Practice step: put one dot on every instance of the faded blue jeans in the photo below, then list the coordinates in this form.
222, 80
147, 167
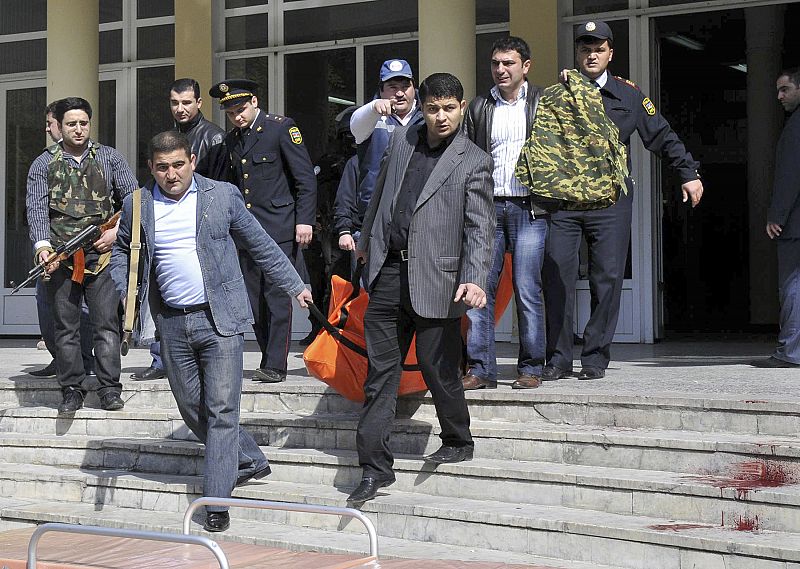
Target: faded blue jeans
788, 348
205, 375
524, 237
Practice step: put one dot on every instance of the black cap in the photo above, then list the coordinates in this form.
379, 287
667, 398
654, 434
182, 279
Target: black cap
232, 91
597, 30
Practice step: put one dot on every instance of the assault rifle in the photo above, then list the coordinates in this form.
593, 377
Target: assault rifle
86, 237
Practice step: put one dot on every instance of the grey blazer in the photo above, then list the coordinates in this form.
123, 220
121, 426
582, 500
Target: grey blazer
452, 229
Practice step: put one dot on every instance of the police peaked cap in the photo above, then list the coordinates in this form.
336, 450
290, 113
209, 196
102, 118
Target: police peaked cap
233, 91
596, 29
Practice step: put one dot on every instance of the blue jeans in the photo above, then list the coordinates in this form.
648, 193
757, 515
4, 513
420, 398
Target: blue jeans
788, 348
205, 375
48, 330
155, 353
524, 237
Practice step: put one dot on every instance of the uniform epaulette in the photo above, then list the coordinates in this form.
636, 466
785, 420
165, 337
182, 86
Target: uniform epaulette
627, 82
276, 118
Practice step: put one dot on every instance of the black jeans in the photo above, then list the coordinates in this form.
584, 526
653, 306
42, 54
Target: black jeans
389, 326
102, 298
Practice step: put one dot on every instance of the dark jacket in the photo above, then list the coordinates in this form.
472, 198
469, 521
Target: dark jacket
203, 134
784, 208
477, 126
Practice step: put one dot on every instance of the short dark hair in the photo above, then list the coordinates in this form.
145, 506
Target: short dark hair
441, 86
512, 43
793, 73
168, 141
63, 106
186, 84
51, 108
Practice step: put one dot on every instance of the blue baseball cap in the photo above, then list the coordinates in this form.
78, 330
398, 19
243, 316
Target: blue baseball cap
395, 68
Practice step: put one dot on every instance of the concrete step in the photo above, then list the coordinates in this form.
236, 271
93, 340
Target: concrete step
690, 452
270, 534
547, 405
757, 490
518, 528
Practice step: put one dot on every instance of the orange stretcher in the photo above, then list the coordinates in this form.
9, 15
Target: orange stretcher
338, 354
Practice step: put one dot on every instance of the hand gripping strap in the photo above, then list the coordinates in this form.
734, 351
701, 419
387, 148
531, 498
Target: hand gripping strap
133, 272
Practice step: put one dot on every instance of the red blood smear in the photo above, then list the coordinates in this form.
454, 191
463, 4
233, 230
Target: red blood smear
677, 527
752, 475
745, 523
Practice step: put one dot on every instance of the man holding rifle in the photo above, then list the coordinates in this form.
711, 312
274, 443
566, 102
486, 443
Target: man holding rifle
72, 185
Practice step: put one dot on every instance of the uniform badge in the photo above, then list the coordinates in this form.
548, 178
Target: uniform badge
223, 88
259, 129
297, 138
591, 26
649, 107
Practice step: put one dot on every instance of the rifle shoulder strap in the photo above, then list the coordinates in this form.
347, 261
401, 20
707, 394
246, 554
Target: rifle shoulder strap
133, 267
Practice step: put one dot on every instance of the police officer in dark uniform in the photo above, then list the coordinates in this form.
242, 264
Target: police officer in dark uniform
607, 230
265, 157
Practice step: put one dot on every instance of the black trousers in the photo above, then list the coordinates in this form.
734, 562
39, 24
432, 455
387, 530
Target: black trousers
389, 326
607, 233
272, 310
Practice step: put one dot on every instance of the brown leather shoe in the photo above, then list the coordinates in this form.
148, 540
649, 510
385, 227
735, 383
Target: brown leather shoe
470, 382
525, 381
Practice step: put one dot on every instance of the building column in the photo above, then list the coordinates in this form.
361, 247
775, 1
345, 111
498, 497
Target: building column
764, 118
73, 53
194, 51
536, 21
447, 40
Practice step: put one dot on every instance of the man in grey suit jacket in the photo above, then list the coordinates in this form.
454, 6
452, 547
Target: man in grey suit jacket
426, 238
783, 225
192, 284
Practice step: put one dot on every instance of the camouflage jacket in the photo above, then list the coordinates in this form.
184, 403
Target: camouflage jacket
574, 153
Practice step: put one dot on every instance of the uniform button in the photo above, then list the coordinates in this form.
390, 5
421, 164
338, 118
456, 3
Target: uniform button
244, 160
246, 176
249, 206
246, 191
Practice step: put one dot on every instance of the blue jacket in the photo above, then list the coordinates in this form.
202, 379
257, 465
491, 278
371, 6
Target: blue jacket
221, 218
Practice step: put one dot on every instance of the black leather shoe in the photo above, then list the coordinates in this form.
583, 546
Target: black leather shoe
591, 373
257, 474
111, 402
448, 454
552, 373
73, 400
770, 362
368, 489
217, 521
47, 371
269, 375
148, 374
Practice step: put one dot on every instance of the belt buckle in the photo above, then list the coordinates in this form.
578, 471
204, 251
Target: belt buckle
404, 255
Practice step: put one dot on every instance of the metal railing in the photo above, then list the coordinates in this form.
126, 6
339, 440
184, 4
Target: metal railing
209, 544
287, 507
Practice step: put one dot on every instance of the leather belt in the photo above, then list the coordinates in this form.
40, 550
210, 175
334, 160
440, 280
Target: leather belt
187, 309
401, 255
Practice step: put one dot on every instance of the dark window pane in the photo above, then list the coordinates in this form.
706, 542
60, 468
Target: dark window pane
350, 20
19, 56
25, 140
108, 113
253, 68
155, 41
152, 110
154, 8
592, 6
375, 55
246, 32
243, 3
110, 11
483, 57
111, 46
19, 16
491, 11
319, 85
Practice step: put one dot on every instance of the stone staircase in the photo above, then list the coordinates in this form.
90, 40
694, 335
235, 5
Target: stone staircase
560, 479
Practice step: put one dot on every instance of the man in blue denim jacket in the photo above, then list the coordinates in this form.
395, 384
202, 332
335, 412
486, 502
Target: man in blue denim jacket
191, 282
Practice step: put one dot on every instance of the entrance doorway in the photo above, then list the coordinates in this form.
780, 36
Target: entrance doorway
702, 82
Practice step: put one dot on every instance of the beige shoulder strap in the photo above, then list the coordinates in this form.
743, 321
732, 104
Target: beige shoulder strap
133, 272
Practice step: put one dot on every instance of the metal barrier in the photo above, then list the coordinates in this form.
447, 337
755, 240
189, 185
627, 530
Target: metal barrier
129, 533
284, 506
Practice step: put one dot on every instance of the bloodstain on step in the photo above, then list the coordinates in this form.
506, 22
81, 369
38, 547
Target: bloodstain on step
752, 475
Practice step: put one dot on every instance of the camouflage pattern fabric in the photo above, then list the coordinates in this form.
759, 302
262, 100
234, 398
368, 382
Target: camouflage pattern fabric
574, 154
